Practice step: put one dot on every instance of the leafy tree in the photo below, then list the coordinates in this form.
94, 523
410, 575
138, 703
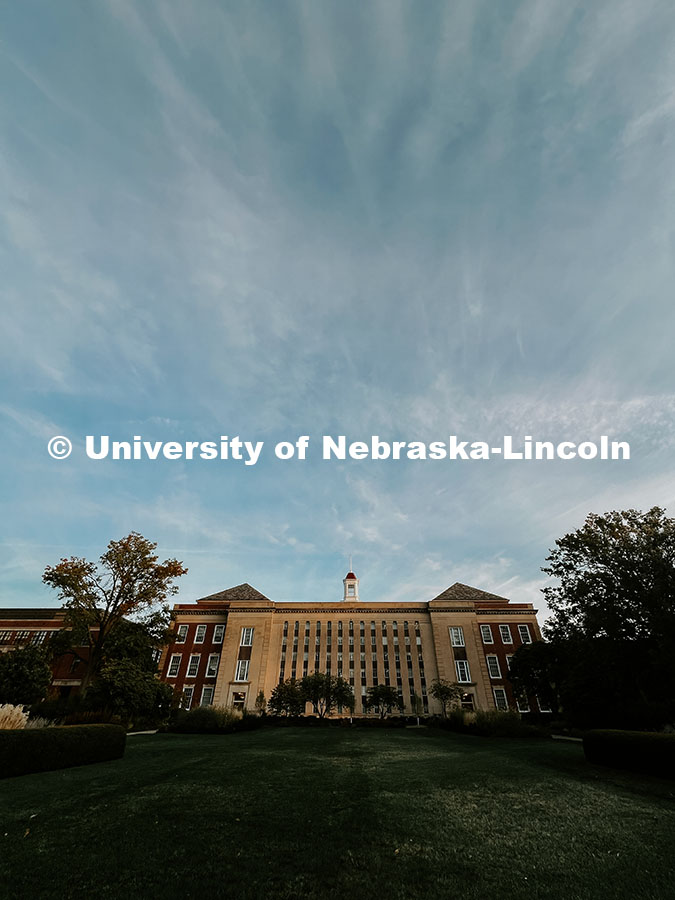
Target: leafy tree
261, 703
130, 691
286, 699
25, 676
383, 697
537, 668
129, 582
416, 704
613, 617
446, 692
325, 692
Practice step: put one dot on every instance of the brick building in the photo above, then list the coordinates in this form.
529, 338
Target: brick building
234, 644
24, 627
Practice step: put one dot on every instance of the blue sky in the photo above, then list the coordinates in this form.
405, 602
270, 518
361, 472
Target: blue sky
274, 219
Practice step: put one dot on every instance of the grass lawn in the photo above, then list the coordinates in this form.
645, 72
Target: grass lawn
338, 813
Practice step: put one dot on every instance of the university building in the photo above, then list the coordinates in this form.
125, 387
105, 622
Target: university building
232, 645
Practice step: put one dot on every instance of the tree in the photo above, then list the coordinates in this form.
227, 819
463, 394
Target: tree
446, 692
325, 692
537, 669
286, 700
24, 676
383, 697
613, 617
129, 582
131, 692
416, 705
261, 703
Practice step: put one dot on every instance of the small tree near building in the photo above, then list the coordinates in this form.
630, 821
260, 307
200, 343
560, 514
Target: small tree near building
384, 698
261, 703
286, 700
448, 693
24, 676
325, 692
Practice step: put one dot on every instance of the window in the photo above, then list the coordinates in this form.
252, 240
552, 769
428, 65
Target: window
207, 696
350, 590
218, 633
188, 693
493, 666
523, 704
5, 636
200, 634
212, 665
242, 670
501, 701
181, 634
509, 657
524, 632
174, 665
543, 706
505, 634
21, 636
193, 665
39, 637
247, 636
462, 668
486, 634
457, 636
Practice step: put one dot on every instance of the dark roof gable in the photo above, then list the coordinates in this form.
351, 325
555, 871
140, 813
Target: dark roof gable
239, 592
459, 591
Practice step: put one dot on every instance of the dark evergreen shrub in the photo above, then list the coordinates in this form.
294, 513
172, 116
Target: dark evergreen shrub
23, 751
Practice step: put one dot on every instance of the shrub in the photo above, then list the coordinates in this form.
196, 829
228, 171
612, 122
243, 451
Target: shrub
40, 722
12, 716
639, 751
214, 720
23, 751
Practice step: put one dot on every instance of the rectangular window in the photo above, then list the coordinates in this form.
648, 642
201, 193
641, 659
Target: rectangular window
493, 666
174, 665
218, 633
207, 696
462, 668
200, 634
457, 636
193, 665
5, 636
505, 634
523, 704
181, 634
486, 634
242, 670
21, 636
212, 665
246, 637
524, 632
509, 657
39, 637
543, 707
188, 693
501, 701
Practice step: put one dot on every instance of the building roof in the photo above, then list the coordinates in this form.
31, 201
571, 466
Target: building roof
50, 612
351, 575
459, 591
239, 592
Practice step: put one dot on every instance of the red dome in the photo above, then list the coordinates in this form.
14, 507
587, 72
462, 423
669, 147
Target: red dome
350, 575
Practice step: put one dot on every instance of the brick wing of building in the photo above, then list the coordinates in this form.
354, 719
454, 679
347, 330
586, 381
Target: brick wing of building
232, 645
23, 627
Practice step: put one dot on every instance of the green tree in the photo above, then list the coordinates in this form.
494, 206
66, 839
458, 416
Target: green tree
538, 669
131, 692
128, 583
286, 700
261, 703
446, 692
325, 692
612, 621
25, 676
384, 698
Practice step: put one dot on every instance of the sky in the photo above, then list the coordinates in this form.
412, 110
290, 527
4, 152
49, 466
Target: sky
403, 219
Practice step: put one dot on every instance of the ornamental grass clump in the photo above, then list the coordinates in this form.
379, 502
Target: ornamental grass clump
12, 716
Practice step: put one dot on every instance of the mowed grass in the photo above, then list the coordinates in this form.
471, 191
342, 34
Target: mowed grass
338, 813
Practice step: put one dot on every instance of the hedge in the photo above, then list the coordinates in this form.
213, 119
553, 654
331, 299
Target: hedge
23, 751
639, 751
